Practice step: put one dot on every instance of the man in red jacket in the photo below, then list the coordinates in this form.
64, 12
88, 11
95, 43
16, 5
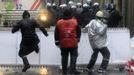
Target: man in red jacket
67, 36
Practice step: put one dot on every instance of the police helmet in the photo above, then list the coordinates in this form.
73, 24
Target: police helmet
63, 5
53, 4
70, 2
73, 6
85, 5
78, 4
96, 4
48, 4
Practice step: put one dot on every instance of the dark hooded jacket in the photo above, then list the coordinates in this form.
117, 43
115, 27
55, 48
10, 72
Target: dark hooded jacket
29, 36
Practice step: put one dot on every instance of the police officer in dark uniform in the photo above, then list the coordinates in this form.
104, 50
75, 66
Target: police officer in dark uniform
86, 15
115, 17
30, 40
78, 13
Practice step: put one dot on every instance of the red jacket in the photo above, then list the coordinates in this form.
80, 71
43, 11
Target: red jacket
67, 33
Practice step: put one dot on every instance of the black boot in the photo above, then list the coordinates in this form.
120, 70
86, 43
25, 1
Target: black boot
73, 66
26, 64
90, 66
75, 72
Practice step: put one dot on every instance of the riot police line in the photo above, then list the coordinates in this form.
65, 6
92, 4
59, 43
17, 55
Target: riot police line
85, 12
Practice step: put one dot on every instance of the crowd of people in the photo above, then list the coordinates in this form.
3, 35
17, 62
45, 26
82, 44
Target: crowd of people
84, 13
69, 20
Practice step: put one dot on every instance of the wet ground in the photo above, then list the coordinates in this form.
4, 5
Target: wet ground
51, 70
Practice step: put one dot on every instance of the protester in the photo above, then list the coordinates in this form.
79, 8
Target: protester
30, 40
67, 37
97, 31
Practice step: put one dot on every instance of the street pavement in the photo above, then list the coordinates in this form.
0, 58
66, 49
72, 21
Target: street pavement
51, 70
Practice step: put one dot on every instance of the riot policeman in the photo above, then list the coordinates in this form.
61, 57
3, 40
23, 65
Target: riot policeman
114, 17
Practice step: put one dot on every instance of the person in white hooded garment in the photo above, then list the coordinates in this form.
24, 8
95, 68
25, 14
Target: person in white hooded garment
97, 32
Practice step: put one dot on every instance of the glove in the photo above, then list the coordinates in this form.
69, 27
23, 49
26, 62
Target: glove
37, 51
46, 35
56, 42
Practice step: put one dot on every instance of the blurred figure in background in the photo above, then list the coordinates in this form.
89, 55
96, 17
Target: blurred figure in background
67, 36
70, 3
89, 2
114, 17
73, 10
96, 8
61, 9
78, 13
30, 40
54, 14
51, 15
86, 15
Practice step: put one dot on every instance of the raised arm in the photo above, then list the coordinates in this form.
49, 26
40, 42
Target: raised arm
44, 31
16, 27
41, 28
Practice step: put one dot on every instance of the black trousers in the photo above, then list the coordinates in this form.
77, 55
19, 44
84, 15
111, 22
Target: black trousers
73, 58
106, 56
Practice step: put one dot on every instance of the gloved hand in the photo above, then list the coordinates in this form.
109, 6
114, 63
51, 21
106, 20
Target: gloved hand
46, 35
57, 43
37, 51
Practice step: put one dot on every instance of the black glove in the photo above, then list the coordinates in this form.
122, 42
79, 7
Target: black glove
46, 35
56, 42
37, 51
